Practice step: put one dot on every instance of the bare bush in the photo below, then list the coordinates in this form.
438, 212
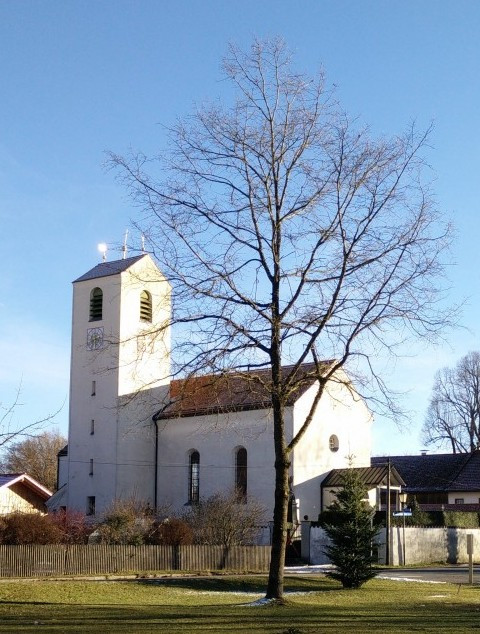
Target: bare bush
226, 520
125, 522
171, 532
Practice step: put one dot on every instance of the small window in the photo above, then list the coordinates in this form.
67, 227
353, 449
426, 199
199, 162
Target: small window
96, 304
459, 500
145, 306
91, 505
241, 473
91, 467
194, 478
333, 443
94, 388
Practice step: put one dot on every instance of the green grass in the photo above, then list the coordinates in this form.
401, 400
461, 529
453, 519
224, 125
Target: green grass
221, 604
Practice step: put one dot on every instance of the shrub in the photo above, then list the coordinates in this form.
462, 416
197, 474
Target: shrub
225, 520
171, 532
126, 522
73, 524
29, 528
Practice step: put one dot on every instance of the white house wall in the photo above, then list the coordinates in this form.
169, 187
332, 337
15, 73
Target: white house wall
468, 497
341, 413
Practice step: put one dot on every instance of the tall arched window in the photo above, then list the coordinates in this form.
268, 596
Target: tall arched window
194, 478
145, 306
96, 304
241, 473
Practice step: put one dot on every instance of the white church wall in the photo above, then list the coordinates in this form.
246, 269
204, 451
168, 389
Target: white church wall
340, 413
144, 348
101, 460
62, 473
93, 397
216, 438
135, 477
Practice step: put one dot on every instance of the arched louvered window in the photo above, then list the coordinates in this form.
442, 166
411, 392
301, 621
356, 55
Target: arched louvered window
241, 473
96, 304
333, 443
194, 478
145, 306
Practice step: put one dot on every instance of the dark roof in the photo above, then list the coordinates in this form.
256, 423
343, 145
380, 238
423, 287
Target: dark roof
8, 478
63, 451
109, 268
229, 392
370, 476
437, 472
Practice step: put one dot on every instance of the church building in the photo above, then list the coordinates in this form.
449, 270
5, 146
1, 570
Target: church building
136, 433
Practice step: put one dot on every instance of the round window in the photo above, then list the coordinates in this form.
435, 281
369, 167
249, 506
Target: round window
333, 443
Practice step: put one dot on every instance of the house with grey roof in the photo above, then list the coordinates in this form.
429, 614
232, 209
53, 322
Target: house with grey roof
378, 481
439, 481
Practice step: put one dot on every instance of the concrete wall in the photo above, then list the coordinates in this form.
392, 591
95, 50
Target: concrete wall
422, 545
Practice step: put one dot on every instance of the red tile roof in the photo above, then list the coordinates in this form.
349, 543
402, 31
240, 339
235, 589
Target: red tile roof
230, 392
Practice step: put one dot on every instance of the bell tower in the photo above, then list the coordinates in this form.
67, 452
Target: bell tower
120, 371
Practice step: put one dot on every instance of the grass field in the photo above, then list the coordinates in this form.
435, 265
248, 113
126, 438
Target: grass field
223, 604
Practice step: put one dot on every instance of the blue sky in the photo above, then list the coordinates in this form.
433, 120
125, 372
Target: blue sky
80, 78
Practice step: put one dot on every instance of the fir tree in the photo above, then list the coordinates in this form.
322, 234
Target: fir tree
351, 534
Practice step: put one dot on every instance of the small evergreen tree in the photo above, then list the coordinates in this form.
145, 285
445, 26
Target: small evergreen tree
351, 534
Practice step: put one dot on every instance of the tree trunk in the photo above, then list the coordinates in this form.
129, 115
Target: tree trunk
279, 532
280, 510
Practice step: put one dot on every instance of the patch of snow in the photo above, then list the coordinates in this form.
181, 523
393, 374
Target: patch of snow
407, 579
306, 570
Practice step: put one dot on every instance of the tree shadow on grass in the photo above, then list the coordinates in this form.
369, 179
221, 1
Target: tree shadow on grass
253, 585
306, 618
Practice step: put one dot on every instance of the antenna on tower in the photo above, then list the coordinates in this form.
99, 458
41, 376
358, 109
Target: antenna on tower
102, 247
143, 243
124, 248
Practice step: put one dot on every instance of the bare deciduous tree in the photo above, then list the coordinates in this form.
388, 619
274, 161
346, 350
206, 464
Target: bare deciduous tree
9, 429
36, 456
289, 235
453, 416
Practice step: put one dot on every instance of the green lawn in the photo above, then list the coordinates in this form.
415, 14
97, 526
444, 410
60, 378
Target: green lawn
221, 604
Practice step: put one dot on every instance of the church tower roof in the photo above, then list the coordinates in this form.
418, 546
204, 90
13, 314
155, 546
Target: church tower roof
110, 268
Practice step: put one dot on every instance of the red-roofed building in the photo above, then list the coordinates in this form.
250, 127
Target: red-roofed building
179, 440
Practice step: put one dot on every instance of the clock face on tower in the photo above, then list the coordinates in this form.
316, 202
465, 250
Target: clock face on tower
94, 338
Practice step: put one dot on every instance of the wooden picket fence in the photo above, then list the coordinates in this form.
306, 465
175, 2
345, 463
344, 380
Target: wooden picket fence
103, 559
